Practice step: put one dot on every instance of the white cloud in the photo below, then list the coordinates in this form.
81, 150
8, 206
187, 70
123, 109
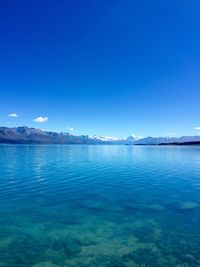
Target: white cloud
41, 119
70, 129
197, 128
14, 115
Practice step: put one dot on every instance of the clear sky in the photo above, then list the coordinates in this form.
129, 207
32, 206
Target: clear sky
105, 67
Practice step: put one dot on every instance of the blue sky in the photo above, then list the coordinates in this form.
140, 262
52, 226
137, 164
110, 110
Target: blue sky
101, 67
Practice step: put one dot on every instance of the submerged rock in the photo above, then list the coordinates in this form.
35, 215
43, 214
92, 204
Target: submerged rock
147, 256
188, 205
45, 264
93, 204
156, 207
143, 207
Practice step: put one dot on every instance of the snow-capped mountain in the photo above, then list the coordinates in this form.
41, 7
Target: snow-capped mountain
106, 138
134, 137
26, 135
165, 140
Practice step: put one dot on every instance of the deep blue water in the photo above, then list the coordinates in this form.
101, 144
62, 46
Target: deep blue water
107, 206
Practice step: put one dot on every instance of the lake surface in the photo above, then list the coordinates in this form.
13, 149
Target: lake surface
107, 206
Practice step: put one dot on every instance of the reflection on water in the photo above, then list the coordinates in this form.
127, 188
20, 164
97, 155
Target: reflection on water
131, 206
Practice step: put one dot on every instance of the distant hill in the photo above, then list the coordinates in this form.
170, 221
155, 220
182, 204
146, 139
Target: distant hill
167, 140
194, 143
26, 135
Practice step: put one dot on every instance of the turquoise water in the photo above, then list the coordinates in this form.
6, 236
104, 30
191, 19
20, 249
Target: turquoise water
117, 206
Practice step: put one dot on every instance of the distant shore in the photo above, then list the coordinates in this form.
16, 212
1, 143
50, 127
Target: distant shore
181, 144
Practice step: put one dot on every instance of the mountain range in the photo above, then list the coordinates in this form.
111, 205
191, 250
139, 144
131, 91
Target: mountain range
26, 135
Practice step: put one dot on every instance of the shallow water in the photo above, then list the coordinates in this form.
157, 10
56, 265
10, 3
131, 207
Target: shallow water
107, 206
